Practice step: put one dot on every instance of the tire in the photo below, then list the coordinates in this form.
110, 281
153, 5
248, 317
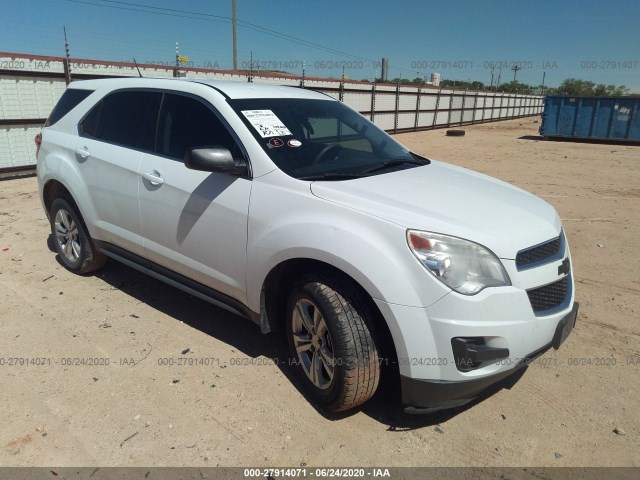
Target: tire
455, 133
71, 240
329, 316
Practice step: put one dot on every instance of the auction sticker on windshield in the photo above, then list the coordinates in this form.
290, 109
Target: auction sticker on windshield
266, 123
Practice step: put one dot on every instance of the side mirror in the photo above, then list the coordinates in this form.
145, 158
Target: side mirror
214, 159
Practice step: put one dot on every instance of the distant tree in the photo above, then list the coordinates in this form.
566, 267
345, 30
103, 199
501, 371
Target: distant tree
463, 85
401, 81
584, 88
570, 86
600, 90
516, 87
577, 87
613, 91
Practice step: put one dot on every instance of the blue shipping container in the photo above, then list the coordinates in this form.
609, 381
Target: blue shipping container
597, 118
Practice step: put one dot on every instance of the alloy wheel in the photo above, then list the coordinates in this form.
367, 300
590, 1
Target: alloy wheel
313, 343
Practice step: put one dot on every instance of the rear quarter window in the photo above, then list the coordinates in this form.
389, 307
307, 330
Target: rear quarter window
69, 100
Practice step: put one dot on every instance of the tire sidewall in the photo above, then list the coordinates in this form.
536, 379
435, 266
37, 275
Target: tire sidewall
455, 133
328, 396
63, 204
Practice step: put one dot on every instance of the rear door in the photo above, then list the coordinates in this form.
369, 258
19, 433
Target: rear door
194, 223
113, 136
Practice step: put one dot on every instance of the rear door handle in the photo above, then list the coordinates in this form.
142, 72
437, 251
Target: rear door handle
153, 177
82, 152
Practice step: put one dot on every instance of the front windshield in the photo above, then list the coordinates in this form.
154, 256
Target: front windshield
321, 139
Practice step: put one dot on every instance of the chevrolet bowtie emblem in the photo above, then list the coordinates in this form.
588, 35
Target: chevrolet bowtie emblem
565, 267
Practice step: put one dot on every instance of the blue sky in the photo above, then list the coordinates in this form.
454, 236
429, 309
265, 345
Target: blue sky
460, 39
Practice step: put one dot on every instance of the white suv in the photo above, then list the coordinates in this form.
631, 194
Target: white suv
287, 207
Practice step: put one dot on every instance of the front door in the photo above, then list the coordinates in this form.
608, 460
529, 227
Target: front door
194, 223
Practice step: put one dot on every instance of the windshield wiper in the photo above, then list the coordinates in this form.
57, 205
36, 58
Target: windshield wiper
390, 164
333, 176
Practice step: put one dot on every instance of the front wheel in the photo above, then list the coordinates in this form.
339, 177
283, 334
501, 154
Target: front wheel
332, 341
72, 242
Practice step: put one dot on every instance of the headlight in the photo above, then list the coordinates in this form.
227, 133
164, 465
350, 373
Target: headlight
463, 266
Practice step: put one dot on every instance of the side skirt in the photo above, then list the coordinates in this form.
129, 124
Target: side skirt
177, 280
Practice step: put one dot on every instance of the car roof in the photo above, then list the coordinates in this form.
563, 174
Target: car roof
231, 89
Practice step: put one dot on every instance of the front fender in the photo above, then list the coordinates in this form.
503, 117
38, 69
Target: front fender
289, 222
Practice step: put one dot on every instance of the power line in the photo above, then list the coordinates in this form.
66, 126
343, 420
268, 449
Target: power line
84, 2
172, 12
225, 19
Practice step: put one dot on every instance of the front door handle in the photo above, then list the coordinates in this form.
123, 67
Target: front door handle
82, 152
153, 177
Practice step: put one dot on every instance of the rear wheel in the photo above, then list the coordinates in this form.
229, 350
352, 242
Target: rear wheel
72, 242
332, 341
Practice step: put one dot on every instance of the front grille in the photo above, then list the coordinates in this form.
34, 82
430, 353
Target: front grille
543, 253
550, 296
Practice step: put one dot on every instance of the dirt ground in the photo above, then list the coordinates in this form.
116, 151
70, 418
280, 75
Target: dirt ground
158, 403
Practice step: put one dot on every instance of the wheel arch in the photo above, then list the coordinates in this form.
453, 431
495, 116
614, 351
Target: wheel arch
276, 288
53, 189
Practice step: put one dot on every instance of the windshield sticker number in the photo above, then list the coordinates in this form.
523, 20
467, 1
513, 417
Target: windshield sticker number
266, 123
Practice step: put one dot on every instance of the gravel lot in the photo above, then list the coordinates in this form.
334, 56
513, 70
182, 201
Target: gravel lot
188, 384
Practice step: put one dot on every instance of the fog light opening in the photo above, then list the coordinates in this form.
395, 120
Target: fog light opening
470, 353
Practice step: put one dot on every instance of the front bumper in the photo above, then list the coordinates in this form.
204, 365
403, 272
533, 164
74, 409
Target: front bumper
426, 396
432, 379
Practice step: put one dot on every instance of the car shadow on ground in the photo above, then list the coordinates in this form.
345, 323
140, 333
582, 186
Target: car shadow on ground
540, 138
537, 138
245, 337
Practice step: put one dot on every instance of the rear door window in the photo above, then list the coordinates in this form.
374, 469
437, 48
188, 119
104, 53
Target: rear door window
69, 100
125, 118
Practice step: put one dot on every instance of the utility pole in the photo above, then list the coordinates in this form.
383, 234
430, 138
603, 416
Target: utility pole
176, 72
491, 86
302, 81
66, 63
235, 39
250, 77
544, 74
515, 70
499, 77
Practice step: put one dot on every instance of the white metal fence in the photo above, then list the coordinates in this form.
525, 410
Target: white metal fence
31, 85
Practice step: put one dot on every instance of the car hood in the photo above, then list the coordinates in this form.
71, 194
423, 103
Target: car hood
451, 200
